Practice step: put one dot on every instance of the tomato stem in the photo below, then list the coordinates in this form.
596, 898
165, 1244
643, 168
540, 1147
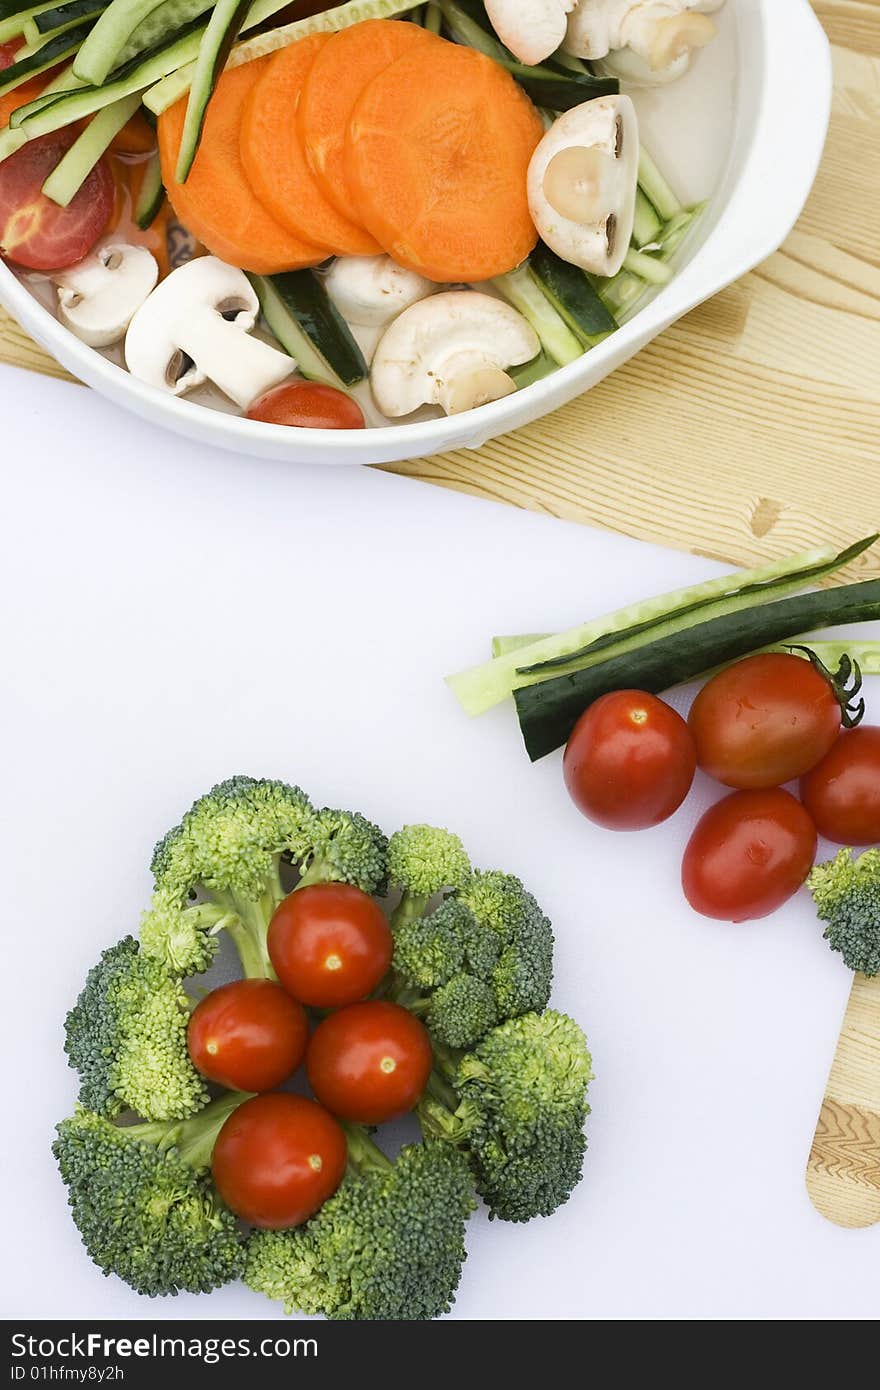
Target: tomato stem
845, 682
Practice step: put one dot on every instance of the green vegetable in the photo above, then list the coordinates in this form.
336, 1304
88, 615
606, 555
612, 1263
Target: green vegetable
424, 861
126, 1036
222, 30
523, 290
548, 712
572, 295
309, 326
56, 47
60, 16
151, 195
229, 849
647, 225
846, 892
864, 653
517, 1106
15, 17
480, 687
389, 1245
143, 1204
69, 175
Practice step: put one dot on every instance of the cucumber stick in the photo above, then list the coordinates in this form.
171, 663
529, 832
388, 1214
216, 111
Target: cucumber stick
58, 47
57, 16
14, 21
864, 652
223, 28
522, 289
573, 296
308, 325
480, 687
67, 178
178, 83
66, 81
162, 24
151, 195
101, 51
548, 712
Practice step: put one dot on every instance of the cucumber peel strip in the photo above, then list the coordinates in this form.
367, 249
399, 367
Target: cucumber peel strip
863, 650
479, 688
69, 175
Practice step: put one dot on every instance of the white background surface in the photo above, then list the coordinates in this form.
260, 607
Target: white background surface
171, 615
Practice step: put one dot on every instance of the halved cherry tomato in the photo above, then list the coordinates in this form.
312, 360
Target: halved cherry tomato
842, 794
308, 405
748, 855
630, 761
8, 52
370, 1062
278, 1158
35, 232
248, 1035
330, 944
764, 721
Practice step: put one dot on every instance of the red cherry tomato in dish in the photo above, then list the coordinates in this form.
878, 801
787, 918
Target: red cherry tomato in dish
748, 855
308, 405
248, 1036
277, 1159
630, 761
8, 52
330, 944
842, 794
35, 232
764, 721
370, 1062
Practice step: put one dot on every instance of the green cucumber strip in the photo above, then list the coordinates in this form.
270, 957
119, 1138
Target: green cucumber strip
647, 268
656, 189
548, 712
290, 334
522, 289
14, 21
152, 194
223, 28
10, 141
57, 16
53, 51
647, 225
480, 687
502, 645
533, 371
101, 52
864, 651
37, 37
66, 81
433, 20
301, 305
68, 176
573, 296
177, 84
164, 23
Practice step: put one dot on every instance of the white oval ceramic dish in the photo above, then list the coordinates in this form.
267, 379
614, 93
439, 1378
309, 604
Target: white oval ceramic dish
749, 124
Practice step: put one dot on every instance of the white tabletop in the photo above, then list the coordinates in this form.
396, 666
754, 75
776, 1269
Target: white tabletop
172, 615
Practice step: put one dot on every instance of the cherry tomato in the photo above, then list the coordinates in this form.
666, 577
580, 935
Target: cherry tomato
248, 1036
370, 1062
35, 232
630, 761
764, 721
748, 855
842, 794
8, 52
308, 405
330, 944
278, 1158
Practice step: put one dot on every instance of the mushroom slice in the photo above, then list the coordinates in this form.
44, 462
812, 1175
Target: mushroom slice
98, 296
661, 35
370, 290
195, 327
582, 184
531, 29
451, 350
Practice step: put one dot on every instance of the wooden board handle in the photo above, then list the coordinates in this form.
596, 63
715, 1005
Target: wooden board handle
843, 1172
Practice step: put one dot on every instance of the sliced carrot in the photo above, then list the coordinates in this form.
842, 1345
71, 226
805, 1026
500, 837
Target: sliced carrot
275, 163
436, 159
20, 96
335, 82
137, 136
217, 203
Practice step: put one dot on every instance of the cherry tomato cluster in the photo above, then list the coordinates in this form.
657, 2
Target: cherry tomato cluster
279, 1156
768, 720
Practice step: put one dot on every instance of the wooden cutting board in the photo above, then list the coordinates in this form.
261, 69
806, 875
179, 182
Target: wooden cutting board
750, 428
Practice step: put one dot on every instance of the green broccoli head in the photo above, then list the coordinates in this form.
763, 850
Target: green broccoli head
522, 1104
143, 1213
522, 976
345, 847
126, 1036
846, 892
388, 1246
429, 950
423, 860
461, 1011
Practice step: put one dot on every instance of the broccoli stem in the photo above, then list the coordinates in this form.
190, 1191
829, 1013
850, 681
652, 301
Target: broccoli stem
193, 1140
363, 1155
247, 925
411, 906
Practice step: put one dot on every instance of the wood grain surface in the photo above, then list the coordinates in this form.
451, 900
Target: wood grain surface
750, 428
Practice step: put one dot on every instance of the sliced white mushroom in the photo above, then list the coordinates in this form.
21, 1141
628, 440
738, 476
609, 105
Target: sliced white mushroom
582, 184
370, 290
531, 29
451, 350
98, 296
662, 35
195, 327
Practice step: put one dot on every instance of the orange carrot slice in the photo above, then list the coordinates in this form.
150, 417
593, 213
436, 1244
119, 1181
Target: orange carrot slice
436, 159
275, 163
217, 203
338, 76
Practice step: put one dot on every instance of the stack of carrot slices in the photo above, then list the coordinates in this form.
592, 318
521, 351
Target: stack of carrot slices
381, 137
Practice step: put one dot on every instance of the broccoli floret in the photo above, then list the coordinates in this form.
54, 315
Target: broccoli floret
461, 1011
847, 896
228, 849
429, 950
424, 861
522, 977
144, 1203
517, 1104
126, 1036
389, 1245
